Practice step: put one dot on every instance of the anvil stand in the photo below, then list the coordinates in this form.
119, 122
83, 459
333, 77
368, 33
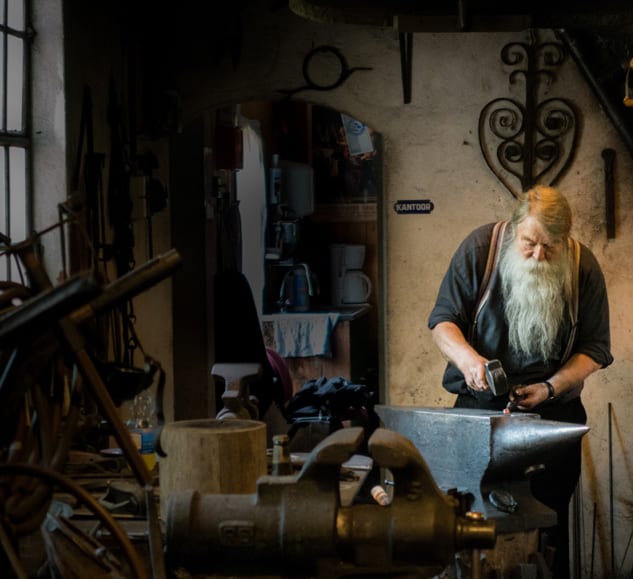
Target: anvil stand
490, 456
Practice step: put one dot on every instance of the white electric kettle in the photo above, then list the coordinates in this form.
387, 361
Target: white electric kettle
356, 287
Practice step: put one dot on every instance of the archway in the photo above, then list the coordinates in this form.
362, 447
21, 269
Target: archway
343, 220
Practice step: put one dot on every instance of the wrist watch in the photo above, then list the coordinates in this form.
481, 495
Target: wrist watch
550, 389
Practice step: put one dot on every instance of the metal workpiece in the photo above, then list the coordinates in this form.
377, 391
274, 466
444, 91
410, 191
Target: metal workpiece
487, 454
296, 525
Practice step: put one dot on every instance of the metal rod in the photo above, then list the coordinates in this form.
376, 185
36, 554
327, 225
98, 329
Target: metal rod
154, 535
608, 156
475, 567
406, 63
593, 541
578, 531
612, 529
130, 284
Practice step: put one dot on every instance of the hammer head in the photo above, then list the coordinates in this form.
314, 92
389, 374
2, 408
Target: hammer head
496, 377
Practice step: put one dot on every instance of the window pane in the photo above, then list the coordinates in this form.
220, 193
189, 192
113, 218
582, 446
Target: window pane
4, 226
15, 78
17, 186
14, 205
3, 121
16, 14
4, 266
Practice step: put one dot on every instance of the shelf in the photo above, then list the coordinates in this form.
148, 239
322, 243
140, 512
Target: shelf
346, 312
344, 212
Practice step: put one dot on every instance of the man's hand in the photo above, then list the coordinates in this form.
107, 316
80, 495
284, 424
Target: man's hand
454, 347
475, 375
526, 397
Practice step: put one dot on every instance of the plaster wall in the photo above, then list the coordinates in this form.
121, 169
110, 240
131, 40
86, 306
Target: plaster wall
431, 151
48, 119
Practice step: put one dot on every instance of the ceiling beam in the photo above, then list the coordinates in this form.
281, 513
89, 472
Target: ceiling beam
473, 16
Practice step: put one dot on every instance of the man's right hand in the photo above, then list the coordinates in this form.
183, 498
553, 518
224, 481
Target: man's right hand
475, 374
454, 347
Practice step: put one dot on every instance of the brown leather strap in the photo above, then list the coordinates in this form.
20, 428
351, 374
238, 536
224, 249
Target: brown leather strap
574, 256
494, 252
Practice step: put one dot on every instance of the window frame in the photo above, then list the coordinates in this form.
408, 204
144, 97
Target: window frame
16, 187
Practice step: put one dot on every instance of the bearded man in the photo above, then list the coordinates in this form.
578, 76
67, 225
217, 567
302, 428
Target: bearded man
536, 300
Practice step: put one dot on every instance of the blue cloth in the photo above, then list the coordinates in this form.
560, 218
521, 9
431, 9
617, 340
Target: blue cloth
302, 335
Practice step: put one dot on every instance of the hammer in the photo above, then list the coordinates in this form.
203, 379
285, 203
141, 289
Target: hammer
496, 377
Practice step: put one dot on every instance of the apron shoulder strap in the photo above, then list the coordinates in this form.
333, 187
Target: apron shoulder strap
574, 256
494, 252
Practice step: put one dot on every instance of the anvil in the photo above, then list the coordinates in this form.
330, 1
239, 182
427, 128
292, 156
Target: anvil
487, 454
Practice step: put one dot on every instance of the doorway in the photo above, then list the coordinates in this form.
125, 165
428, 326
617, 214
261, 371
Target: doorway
343, 158
197, 222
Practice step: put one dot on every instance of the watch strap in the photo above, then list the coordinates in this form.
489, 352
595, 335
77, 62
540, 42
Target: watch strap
550, 389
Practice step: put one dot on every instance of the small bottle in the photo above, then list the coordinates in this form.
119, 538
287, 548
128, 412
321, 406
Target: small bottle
143, 426
282, 465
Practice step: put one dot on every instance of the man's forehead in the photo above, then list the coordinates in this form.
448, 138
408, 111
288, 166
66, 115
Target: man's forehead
531, 228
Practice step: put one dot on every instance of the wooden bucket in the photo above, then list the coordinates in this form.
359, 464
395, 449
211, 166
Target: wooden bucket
211, 456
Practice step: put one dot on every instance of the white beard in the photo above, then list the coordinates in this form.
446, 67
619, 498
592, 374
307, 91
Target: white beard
536, 294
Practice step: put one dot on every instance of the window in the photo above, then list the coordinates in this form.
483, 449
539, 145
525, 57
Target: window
15, 203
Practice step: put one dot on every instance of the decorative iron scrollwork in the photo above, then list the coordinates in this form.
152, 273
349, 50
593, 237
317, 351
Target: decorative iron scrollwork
530, 142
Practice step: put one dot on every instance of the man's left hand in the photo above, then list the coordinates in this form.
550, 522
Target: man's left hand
527, 396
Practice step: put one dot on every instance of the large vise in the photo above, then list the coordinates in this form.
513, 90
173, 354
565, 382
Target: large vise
488, 454
296, 525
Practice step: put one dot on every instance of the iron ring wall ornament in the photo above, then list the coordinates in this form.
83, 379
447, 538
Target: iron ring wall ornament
312, 66
531, 142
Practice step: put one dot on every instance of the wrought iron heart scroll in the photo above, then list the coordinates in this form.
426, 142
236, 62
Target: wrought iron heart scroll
531, 142
520, 160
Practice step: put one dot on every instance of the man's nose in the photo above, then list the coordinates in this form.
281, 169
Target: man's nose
538, 253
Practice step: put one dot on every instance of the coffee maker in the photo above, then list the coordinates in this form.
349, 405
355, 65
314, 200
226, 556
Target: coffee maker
349, 285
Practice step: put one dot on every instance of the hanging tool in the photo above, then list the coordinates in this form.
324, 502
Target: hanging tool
406, 63
155, 195
609, 191
93, 164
